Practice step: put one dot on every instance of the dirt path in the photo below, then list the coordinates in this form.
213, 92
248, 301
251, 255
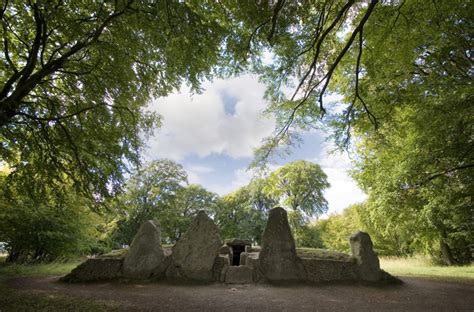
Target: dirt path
416, 294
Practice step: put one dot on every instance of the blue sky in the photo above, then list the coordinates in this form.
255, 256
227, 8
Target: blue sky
213, 135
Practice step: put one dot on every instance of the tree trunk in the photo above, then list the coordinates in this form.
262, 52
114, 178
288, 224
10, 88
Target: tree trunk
446, 254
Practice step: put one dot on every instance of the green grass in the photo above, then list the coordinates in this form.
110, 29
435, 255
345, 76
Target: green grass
422, 267
37, 270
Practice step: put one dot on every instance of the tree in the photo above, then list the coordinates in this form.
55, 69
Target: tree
46, 228
417, 168
76, 77
243, 213
299, 186
152, 193
405, 71
191, 199
336, 230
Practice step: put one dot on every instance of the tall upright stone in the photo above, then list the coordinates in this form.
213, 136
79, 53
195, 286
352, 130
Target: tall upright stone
278, 260
145, 254
193, 255
368, 266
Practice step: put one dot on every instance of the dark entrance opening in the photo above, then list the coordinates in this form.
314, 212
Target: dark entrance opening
236, 251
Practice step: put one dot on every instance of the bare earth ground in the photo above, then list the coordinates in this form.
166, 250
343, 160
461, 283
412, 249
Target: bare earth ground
416, 294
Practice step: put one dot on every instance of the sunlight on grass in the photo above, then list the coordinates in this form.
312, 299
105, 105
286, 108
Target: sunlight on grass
420, 266
37, 270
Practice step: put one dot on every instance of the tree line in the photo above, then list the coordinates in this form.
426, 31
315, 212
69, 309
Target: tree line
49, 228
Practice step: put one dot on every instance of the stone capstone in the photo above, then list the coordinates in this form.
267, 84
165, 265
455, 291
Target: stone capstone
146, 257
193, 255
368, 266
278, 260
96, 269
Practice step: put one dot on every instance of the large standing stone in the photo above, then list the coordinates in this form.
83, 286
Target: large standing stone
367, 260
194, 254
278, 260
146, 253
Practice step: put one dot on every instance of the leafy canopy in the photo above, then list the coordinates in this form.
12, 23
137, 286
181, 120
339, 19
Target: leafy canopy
75, 78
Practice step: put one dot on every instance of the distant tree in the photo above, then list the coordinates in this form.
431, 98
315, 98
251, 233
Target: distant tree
190, 200
243, 213
152, 193
309, 235
160, 191
336, 230
299, 186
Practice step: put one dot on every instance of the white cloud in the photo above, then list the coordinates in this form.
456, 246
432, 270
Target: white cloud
343, 191
199, 125
194, 173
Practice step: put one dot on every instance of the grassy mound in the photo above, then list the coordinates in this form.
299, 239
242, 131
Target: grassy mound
316, 253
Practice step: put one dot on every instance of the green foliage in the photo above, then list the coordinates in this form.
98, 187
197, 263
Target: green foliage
418, 168
47, 228
299, 186
405, 71
243, 213
75, 78
337, 228
308, 235
159, 191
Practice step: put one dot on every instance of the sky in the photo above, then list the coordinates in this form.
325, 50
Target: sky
213, 135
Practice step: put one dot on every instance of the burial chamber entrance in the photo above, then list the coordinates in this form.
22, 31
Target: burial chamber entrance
237, 246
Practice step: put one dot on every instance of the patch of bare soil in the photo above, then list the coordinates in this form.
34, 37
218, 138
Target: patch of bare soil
416, 294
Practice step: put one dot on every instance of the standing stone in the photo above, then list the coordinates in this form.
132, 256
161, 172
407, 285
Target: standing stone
194, 254
368, 263
278, 260
146, 253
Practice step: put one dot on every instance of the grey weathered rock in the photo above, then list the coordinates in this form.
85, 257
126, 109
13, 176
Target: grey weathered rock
225, 250
239, 275
221, 265
146, 253
194, 254
368, 266
278, 260
251, 259
97, 269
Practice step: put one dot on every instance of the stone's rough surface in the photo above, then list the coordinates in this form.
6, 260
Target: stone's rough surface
146, 253
277, 259
221, 265
194, 254
368, 268
252, 249
251, 259
243, 258
225, 250
97, 269
320, 270
239, 275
